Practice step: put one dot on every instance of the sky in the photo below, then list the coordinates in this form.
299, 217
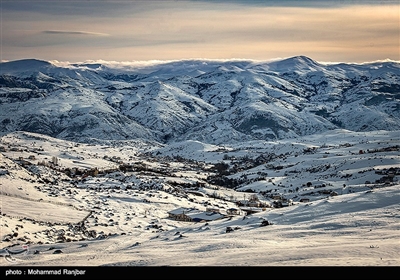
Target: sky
77, 31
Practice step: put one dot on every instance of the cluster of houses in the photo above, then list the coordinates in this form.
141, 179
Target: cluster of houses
245, 207
195, 215
388, 175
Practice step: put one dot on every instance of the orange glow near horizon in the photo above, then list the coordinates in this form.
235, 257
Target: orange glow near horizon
348, 33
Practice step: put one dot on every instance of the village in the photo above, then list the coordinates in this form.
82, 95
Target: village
202, 211
196, 191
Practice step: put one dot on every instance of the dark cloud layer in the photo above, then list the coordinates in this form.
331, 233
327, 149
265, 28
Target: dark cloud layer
65, 32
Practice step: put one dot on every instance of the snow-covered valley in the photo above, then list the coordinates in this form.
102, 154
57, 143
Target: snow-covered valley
328, 199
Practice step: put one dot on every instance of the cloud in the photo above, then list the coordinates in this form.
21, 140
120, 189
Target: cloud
77, 9
297, 3
65, 32
168, 30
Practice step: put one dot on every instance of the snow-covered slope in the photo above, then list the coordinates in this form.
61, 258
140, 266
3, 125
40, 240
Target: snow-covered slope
210, 101
65, 203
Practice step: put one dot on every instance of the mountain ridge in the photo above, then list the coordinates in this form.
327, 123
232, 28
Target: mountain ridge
211, 101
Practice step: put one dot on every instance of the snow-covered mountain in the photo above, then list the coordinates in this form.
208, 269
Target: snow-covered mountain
211, 101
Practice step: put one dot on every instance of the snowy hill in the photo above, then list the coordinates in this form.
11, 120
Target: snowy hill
210, 101
72, 204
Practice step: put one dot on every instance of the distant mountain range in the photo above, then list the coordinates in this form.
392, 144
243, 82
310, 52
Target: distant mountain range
210, 101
